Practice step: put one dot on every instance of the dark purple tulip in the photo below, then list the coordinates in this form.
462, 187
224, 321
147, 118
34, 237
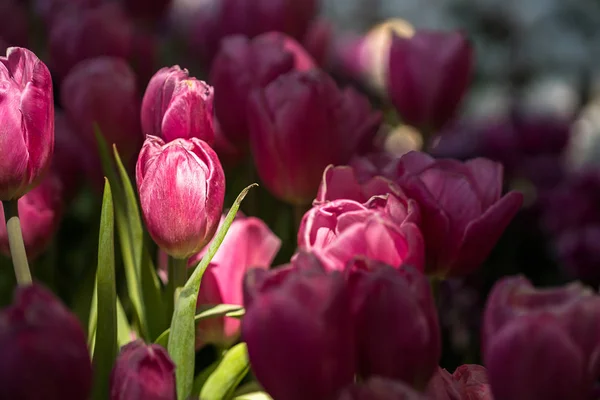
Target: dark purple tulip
396, 325
381, 389
463, 210
577, 250
541, 343
299, 124
143, 372
468, 382
243, 64
27, 120
43, 347
428, 76
299, 334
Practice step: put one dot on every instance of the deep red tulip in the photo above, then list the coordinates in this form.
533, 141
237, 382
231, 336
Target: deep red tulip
176, 106
43, 347
463, 211
143, 372
299, 124
27, 118
429, 74
468, 382
182, 188
242, 65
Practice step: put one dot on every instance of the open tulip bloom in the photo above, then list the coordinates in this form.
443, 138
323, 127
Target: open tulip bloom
360, 269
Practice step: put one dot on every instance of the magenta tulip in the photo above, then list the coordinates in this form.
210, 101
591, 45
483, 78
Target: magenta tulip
143, 372
463, 212
244, 64
178, 106
249, 244
468, 382
43, 347
299, 124
182, 188
27, 116
299, 335
562, 359
429, 74
40, 212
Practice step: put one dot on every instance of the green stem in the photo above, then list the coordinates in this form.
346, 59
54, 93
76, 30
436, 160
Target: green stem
15, 241
177, 279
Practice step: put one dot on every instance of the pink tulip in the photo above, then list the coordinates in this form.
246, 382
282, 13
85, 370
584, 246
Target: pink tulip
468, 382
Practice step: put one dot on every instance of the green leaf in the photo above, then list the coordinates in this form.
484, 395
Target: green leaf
123, 328
182, 339
105, 349
234, 366
209, 311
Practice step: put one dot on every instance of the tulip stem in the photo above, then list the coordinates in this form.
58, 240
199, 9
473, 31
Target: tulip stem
15, 241
177, 279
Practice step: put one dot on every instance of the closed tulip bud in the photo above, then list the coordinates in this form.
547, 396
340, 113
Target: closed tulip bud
468, 382
299, 124
182, 188
103, 92
27, 117
40, 212
463, 211
82, 33
302, 325
562, 359
249, 244
396, 325
244, 64
43, 347
143, 372
178, 106
340, 230
429, 74
381, 389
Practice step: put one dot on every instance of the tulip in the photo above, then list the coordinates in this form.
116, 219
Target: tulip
463, 213
396, 325
299, 334
103, 92
43, 347
48, 10
562, 361
143, 372
340, 230
578, 252
40, 212
299, 124
152, 10
177, 106
469, 382
249, 244
244, 64
429, 74
27, 115
318, 41
14, 23
381, 389
182, 188
84, 33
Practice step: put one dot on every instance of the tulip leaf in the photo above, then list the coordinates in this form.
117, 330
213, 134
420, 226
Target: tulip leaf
234, 366
254, 396
123, 327
144, 268
182, 340
213, 311
105, 347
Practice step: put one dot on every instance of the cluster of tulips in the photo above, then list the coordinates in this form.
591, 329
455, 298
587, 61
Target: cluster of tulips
330, 284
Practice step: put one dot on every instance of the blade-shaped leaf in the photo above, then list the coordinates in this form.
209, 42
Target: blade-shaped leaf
182, 338
219, 310
123, 327
234, 366
105, 348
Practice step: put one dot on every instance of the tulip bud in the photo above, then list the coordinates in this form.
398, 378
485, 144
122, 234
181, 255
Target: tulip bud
27, 116
103, 91
397, 330
143, 372
243, 64
83, 33
249, 244
562, 359
381, 389
299, 335
182, 189
40, 212
299, 124
469, 382
429, 74
43, 347
463, 213
177, 106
